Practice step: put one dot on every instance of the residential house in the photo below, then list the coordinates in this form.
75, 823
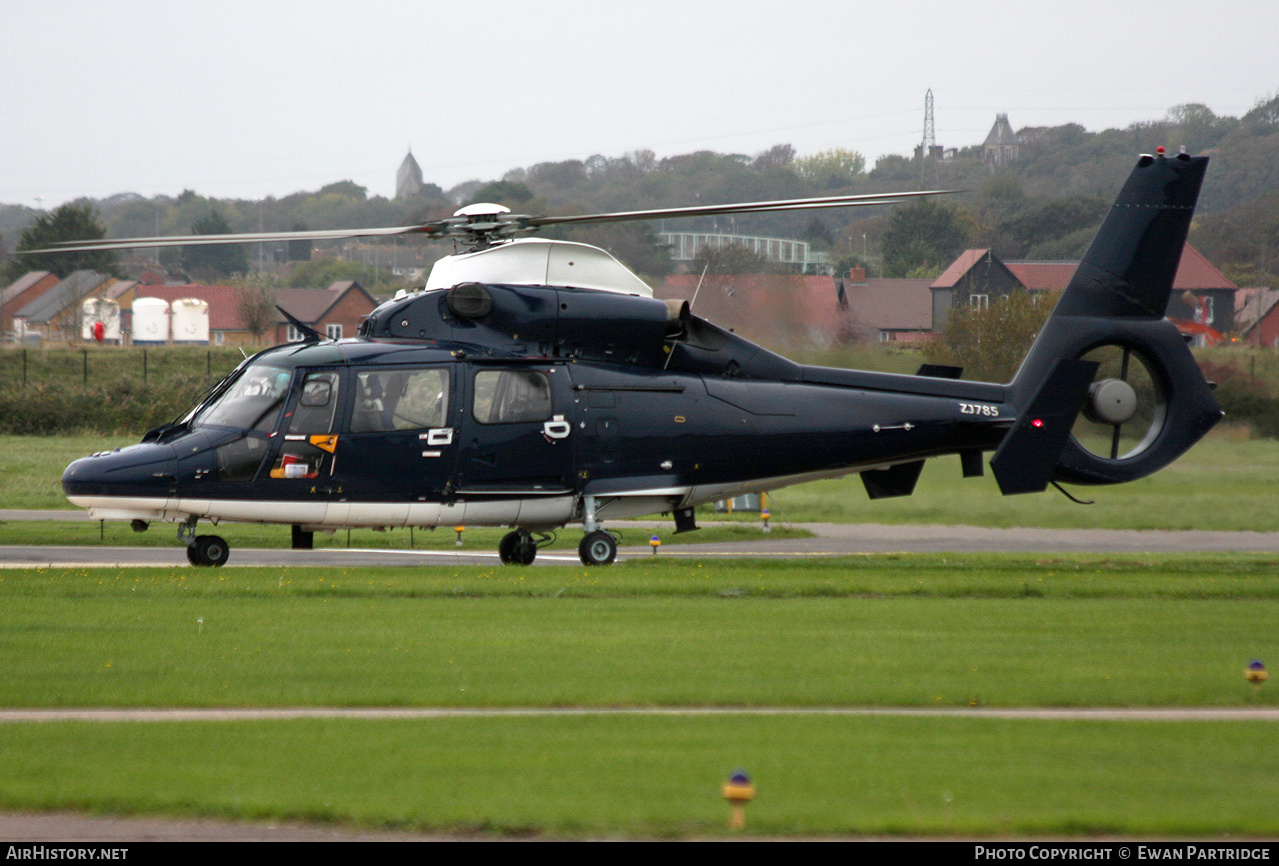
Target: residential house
21, 292
885, 310
789, 310
972, 280
1202, 302
335, 312
55, 313
777, 310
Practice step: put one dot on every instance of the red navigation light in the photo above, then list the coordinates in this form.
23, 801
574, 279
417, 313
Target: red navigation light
1038, 422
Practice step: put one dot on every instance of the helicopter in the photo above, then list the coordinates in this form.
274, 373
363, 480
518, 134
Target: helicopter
533, 384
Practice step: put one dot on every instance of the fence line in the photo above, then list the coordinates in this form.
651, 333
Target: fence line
24, 367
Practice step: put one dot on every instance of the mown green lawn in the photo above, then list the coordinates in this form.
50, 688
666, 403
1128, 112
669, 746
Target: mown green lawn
885, 631
644, 776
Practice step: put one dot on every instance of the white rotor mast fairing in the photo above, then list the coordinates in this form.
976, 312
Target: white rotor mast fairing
538, 262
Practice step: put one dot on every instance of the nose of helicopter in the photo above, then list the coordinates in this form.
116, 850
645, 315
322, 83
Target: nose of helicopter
138, 472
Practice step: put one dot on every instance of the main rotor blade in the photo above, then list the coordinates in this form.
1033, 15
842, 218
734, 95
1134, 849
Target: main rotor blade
863, 200
489, 227
213, 240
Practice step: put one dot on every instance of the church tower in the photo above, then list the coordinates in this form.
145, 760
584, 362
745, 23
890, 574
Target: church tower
1001, 145
408, 180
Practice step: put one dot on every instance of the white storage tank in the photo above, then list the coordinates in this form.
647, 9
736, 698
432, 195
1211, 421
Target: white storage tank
190, 321
150, 322
104, 311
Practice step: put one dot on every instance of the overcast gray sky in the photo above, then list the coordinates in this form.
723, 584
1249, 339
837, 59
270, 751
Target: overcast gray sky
248, 99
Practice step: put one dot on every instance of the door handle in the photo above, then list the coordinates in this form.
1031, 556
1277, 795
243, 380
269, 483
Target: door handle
557, 429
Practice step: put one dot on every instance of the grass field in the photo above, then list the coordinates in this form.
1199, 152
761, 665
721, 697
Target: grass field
619, 776
922, 631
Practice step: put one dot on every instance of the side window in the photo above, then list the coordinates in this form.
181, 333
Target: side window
316, 404
238, 460
510, 396
400, 400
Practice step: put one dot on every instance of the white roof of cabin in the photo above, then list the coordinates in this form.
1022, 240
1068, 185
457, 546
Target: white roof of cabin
538, 262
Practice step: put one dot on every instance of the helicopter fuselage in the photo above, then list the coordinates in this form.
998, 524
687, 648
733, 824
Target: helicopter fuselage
535, 383
400, 431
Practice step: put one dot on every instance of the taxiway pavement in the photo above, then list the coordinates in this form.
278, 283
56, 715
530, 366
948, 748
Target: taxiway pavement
829, 539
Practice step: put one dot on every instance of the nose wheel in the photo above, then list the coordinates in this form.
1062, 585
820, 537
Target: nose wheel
517, 548
208, 550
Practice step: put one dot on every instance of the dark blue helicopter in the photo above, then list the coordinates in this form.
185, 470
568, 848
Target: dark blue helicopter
533, 384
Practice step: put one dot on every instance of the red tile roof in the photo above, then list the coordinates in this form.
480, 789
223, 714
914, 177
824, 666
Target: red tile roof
309, 305
767, 307
1043, 276
960, 266
1193, 272
1196, 272
24, 282
891, 305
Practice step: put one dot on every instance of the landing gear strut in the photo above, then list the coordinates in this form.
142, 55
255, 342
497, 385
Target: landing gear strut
598, 546
203, 550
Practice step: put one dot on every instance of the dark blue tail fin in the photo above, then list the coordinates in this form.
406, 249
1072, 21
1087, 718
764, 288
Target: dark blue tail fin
1113, 313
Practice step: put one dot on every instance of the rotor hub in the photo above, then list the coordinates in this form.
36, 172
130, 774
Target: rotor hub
1111, 401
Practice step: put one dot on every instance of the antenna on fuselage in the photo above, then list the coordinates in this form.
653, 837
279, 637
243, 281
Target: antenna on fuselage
309, 334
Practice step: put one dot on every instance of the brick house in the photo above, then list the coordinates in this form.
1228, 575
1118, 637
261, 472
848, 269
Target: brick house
1202, 302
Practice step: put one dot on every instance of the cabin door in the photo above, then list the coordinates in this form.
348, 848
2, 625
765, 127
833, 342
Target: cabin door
517, 436
399, 444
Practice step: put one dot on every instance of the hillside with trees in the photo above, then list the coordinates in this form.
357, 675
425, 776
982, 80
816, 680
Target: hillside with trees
1045, 205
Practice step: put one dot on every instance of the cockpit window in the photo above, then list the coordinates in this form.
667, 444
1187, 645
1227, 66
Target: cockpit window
400, 400
252, 403
510, 396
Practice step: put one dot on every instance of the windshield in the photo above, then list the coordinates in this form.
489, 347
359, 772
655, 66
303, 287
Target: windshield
251, 403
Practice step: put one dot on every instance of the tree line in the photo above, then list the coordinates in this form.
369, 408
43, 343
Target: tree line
1045, 205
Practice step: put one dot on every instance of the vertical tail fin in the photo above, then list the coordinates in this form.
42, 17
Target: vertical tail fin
1149, 400
1129, 267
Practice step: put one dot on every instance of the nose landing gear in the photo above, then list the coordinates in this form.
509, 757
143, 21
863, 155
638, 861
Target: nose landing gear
203, 550
517, 548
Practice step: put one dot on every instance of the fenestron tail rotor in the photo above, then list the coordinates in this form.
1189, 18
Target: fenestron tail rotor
482, 225
1127, 405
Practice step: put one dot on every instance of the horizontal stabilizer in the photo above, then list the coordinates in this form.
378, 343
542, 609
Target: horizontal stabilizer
896, 480
1026, 458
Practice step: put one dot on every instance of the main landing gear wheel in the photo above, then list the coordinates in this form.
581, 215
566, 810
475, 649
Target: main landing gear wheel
1126, 407
517, 548
208, 550
597, 548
